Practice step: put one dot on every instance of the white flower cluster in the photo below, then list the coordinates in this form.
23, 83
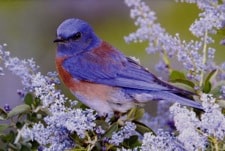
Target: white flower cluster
126, 132
54, 135
163, 141
148, 29
196, 56
194, 131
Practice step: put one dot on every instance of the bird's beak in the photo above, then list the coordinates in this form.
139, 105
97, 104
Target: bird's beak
58, 40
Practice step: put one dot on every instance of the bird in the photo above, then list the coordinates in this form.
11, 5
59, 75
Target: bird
102, 77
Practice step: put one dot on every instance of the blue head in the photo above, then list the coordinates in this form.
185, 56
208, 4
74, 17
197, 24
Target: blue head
75, 36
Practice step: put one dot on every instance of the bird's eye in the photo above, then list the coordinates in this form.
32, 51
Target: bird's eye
76, 36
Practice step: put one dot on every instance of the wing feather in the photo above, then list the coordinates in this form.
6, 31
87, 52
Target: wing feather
111, 67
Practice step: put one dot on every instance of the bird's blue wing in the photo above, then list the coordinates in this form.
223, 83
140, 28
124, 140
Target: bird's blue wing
111, 68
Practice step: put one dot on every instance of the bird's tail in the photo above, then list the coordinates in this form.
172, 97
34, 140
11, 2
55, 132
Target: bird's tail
175, 98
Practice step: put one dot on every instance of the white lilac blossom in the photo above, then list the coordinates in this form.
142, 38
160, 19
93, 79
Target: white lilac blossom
149, 30
78, 121
212, 121
59, 127
126, 132
194, 131
54, 135
50, 138
32, 80
44, 88
191, 59
210, 19
161, 141
22, 68
187, 125
211, 53
194, 55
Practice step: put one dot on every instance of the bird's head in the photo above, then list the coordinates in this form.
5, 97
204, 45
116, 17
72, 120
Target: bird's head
75, 36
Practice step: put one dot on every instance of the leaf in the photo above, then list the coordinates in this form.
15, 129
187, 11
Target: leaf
207, 85
184, 82
104, 125
142, 128
179, 77
131, 113
25, 148
113, 128
9, 137
131, 142
135, 113
18, 110
3, 114
28, 99
176, 75
139, 113
3, 127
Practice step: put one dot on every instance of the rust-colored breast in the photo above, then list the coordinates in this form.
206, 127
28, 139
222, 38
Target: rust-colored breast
64, 75
84, 88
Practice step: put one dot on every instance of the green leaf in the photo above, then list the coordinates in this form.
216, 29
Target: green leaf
113, 128
139, 113
28, 99
207, 85
36, 102
131, 142
142, 128
135, 113
104, 125
3, 127
18, 110
179, 77
184, 82
176, 75
25, 148
3, 114
9, 137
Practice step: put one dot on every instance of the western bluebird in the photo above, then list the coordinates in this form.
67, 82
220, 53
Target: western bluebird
102, 77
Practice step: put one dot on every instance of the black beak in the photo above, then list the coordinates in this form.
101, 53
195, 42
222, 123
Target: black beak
58, 40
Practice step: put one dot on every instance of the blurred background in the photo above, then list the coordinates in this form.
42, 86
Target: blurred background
29, 28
